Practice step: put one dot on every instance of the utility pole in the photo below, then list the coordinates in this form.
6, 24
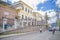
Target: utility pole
58, 19
57, 13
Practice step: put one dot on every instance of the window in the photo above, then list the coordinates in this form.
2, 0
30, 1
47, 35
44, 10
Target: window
28, 10
32, 23
26, 17
22, 16
25, 23
29, 23
22, 7
25, 9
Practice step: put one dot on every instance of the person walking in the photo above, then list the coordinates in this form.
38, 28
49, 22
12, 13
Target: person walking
53, 30
40, 30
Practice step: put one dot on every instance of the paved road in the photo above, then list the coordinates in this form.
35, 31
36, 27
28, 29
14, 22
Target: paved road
35, 36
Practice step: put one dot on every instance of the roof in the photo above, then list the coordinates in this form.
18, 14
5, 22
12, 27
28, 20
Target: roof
16, 3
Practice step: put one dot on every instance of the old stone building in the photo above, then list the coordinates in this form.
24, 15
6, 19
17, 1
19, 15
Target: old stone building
25, 14
19, 17
7, 15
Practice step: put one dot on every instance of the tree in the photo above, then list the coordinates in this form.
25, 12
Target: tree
57, 14
58, 22
47, 18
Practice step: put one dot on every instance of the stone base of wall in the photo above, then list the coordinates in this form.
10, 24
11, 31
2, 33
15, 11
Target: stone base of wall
23, 30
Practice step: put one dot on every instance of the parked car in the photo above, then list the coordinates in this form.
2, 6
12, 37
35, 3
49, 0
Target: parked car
56, 28
51, 28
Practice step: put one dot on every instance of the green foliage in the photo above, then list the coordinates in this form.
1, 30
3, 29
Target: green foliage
46, 16
58, 22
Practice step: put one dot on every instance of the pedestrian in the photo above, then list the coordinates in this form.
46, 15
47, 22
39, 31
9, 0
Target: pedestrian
40, 30
53, 30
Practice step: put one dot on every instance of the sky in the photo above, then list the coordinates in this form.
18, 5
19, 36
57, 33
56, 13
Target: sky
43, 6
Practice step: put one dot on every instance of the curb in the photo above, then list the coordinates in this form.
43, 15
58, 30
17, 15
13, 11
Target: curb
5, 36
10, 35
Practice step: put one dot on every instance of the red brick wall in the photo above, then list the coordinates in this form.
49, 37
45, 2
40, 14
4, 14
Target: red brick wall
12, 13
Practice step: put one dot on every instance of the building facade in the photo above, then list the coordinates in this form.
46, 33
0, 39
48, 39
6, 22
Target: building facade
7, 16
19, 15
27, 17
25, 14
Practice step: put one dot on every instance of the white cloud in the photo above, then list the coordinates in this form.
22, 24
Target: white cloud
42, 8
58, 2
51, 13
32, 3
53, 20
42, 12
14, 1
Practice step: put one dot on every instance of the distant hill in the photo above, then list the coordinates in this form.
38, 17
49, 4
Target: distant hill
3, 2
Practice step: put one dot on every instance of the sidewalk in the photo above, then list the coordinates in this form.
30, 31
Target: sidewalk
3, 36
9, 35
